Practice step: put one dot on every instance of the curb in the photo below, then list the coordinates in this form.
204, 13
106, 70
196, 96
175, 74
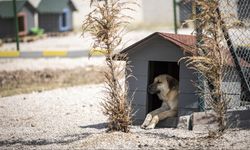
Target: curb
9, 54
46, 54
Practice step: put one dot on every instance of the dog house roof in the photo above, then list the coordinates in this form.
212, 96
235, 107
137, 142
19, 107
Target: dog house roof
185, 42
54, 6
6, 7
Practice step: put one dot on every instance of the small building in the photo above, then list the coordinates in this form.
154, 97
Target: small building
158, 54
55, 15
25, 14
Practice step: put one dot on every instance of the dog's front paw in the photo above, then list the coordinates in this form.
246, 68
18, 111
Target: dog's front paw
151, 126
143, 126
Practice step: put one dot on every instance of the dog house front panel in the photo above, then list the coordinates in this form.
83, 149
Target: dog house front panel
30, 17
188, 99
153, 58
49, 22
157, 50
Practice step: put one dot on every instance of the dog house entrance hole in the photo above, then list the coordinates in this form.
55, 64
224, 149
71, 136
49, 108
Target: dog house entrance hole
156, 68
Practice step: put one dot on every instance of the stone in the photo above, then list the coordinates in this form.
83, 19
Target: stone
184, 122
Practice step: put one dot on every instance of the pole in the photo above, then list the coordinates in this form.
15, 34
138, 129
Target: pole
175, 17
16, 24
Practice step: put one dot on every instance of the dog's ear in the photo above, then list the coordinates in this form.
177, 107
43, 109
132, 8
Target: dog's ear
172, 82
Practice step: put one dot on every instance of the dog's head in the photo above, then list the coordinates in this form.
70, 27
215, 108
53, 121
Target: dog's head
162, 84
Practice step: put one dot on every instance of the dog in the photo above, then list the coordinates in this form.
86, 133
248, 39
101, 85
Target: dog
167, 89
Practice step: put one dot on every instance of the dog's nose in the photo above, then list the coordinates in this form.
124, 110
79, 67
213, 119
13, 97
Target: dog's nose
150, 88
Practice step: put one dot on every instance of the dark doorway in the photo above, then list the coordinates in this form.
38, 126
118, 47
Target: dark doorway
21, 24
64, 20
156, 68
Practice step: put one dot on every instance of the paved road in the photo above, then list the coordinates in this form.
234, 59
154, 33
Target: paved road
41, 54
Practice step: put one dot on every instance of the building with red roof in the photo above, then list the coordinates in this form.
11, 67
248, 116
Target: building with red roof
159, 53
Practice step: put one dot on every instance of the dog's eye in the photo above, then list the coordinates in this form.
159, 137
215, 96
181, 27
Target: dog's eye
159, 82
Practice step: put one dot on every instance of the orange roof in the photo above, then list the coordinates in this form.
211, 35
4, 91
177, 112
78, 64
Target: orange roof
185, 42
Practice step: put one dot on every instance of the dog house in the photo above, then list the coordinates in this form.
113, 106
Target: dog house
56, 15
157, 54
25, 14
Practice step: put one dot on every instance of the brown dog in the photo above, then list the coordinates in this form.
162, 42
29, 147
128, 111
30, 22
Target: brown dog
167, 89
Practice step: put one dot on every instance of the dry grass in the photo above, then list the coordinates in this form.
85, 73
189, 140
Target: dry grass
106, 25
25, 81
211, 58
116, 103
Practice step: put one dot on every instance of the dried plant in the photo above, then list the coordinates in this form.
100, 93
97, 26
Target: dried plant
211, 58
106, 25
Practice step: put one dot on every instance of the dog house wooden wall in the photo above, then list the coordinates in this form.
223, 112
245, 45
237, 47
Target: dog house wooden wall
156, 54
25, 14
56, 16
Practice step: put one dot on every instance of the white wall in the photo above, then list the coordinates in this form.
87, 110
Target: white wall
158, 11
150, 12
84, 8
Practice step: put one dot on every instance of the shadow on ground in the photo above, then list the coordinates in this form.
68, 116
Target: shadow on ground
61, 140
96, 126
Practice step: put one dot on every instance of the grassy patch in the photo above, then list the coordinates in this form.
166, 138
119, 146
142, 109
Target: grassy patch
26, 81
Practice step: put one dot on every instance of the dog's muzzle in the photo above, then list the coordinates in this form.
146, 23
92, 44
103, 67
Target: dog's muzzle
152, 89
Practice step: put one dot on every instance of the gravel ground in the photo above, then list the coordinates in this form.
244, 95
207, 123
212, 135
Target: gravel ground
71, 118
54, 119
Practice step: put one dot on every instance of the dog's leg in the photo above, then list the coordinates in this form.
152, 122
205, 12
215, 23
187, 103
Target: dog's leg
153, 122
146, 121
149, 117
161, 116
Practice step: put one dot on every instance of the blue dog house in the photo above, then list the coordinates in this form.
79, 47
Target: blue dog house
56, 15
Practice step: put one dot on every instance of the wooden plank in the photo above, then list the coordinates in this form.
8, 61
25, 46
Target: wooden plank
186, 86
139, 67
158, 50
188, 100
140, 83
186, 111
139, 112
139, 99
168, 123
186, 73
235, 119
